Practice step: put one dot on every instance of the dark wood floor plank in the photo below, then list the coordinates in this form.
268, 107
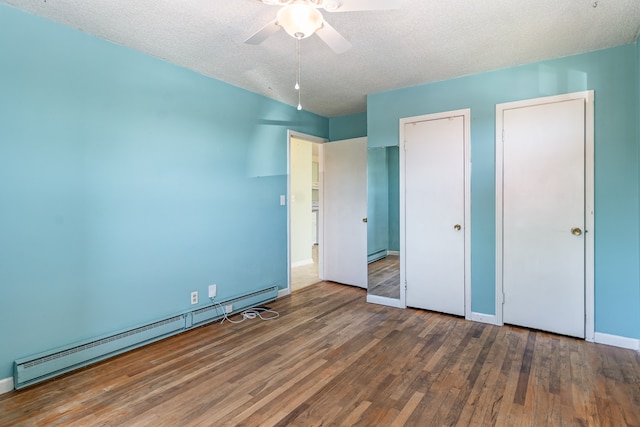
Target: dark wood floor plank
475, 376
525, 369
332, 359
384, 277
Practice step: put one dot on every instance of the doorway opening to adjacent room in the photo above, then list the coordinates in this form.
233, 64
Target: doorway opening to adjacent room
304, 213
327, 207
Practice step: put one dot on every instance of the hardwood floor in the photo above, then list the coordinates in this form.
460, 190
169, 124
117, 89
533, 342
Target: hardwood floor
332, 359
384, 277
305, 275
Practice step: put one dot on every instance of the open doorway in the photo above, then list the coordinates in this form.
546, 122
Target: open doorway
305, 215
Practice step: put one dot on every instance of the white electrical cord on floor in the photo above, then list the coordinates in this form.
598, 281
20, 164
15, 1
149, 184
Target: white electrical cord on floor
249, 313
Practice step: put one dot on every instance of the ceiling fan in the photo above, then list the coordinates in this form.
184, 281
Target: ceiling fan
301, 18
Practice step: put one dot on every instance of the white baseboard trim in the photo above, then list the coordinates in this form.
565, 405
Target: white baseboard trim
6, 385
392, 302
492, 319
301, 263
283, 292
617, 341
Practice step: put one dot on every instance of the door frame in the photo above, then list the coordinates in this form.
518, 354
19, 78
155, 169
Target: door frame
589, 232
466, 115
312, 139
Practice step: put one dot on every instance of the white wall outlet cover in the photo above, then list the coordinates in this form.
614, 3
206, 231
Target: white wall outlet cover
212, 291
282, 200
194, 297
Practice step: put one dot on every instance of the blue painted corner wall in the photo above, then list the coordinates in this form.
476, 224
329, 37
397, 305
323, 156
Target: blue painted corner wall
614, 76
347, 127
126, 183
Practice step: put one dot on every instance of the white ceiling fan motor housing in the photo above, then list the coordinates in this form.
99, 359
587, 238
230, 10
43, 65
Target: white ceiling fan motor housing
299, 19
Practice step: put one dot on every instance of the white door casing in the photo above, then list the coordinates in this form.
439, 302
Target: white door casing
435, 223
544, 192
344, 208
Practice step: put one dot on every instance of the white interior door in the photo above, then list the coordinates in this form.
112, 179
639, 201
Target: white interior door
344, 208
435, 212
543, 216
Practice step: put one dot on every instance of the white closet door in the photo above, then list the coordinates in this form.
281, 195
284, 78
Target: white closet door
435, 214
543, 207
344, 208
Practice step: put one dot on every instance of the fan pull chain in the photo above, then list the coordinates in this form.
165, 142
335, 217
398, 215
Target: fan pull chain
297, 86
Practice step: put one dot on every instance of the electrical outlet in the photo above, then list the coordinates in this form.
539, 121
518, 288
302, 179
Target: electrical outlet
228, 308
194, 297
212, 291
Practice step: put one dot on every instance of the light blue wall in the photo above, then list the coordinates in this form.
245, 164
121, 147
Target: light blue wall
377, 202
125, 184
347, 127
383, 200
612, 74
638, 142
393, 167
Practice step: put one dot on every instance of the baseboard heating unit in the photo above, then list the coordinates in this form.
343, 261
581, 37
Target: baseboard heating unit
376, 255
42, 366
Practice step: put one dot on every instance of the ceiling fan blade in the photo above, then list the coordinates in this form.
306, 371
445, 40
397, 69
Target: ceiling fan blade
333, 38
358, 5
266, 31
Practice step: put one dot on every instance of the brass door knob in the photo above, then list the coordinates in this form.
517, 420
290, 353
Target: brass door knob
364, 219
576, 231
457, 227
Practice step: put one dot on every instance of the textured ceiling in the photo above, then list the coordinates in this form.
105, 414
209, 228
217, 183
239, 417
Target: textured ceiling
424, 41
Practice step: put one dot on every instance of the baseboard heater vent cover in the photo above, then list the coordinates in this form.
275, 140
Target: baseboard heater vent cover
42, 366
376, 255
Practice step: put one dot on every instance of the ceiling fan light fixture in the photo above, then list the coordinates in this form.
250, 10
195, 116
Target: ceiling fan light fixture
299, 20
